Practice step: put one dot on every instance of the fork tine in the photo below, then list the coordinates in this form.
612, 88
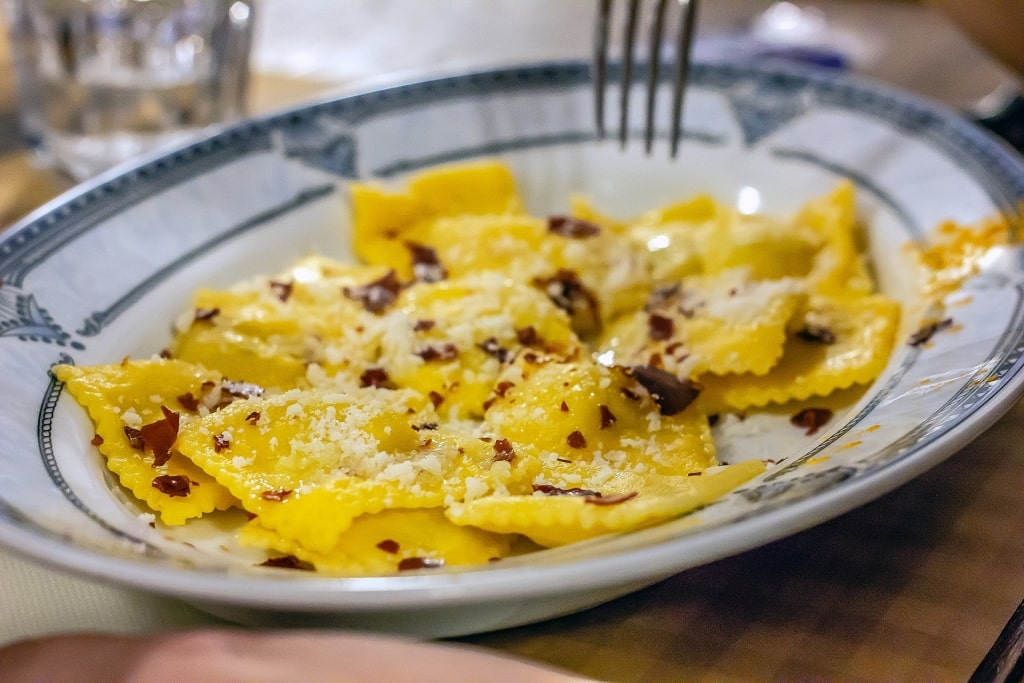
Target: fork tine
684, 47
600, 75
627, 70
653, 68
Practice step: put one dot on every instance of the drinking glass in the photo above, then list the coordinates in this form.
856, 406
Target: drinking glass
101, 81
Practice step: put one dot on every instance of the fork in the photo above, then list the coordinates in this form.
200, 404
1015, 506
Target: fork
681, 67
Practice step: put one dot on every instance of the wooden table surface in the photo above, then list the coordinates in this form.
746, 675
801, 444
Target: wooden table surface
912, 587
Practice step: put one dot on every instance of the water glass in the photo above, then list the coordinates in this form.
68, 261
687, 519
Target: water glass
101, 81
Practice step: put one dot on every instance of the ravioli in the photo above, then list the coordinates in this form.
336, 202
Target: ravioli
487, 381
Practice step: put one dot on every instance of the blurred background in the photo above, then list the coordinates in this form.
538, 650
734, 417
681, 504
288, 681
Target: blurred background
307, 49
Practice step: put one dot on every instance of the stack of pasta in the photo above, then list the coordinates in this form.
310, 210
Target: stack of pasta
487, 381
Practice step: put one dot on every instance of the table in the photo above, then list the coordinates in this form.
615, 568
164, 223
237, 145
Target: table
914, 586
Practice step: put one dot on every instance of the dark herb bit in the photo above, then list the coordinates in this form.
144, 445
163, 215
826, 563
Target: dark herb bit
549, 490
502, 388
527, 336
378, 295
817, 334
629, 393
173, 485
694, 474
613, 499
134, 438
429, 426
287, 562
426, 267
671, 394
607, 417
205, 314
566, 291
410, 563
811, 419
253, 417
221, 442
376, 378
97, 440
276, 496
503, 450
165, 353
661, 296
436, 399
925, 334
282, 290
572, 227
446, 352
660, 328
423, 325
189, 402
713, 419
576, 440
492, 348
389, 546
564, 407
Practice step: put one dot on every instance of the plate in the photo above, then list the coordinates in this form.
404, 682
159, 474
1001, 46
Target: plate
99, 274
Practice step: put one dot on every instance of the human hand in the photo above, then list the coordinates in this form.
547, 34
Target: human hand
236, 656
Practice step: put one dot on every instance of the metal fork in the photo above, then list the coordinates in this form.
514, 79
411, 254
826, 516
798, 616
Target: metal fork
681, 68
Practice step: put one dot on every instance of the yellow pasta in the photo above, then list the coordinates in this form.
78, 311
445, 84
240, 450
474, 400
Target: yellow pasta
122, 400
486, 380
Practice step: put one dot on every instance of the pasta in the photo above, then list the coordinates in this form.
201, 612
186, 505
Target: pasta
486, 382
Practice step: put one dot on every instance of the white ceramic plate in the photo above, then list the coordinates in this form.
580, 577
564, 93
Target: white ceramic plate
101, 272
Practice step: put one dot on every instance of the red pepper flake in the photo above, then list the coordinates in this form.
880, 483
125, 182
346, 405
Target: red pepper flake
527, 336
97, 440
134, 438
221, 442
492, 348
811, 419
205, 314
566, 291
165, 353
564, 407
671, 394
431, 353
378, 295
503, 388
423, 325
549, 490
282, 290
276, 496
925, 334
486, 405
572, 227
429, 426
613, 499
389, 546
375, 377
241, 389
286, 562
660, 328
426, 267
173, 485
607, 417
817, 334
410, 563
161, 435
503, 450
189, 402
576, 440
436, 398
253, 417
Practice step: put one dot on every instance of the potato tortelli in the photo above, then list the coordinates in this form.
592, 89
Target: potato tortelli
486, 381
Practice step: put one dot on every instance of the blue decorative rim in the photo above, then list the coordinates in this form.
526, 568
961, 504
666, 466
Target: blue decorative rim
994, 166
